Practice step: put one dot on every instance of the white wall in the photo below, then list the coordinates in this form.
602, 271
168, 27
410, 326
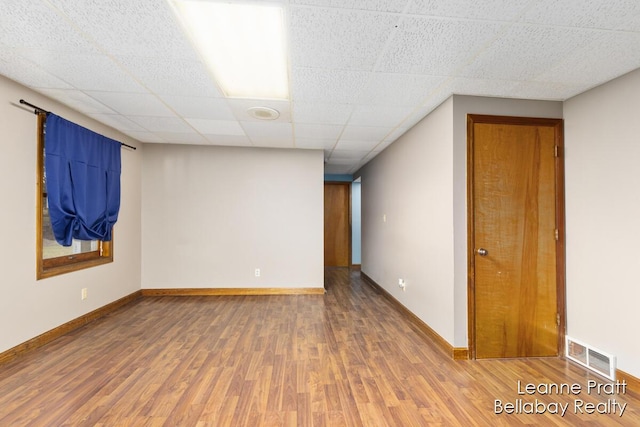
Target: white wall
420, 183
212, 215
29, 307
603, 218
411, 183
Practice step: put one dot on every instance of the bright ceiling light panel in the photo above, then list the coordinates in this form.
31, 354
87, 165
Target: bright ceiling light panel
243, 44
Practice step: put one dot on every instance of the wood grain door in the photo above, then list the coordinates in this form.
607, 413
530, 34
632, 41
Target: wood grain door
516, 220
337, 226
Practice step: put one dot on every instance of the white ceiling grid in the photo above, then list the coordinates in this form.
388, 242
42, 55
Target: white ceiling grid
362, 72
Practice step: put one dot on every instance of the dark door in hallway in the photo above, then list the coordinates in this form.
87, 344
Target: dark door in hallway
337, 225
514, 224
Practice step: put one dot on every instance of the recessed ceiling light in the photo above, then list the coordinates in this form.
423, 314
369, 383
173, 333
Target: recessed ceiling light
263, 113
243, 44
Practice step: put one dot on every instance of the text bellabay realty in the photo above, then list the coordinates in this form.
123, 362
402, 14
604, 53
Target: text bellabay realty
522, 406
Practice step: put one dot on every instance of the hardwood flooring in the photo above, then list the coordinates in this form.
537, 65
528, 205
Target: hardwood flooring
345, 358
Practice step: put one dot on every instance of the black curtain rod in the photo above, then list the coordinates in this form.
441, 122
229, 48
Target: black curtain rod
42, 110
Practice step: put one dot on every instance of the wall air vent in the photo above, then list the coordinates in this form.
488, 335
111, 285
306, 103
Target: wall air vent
591, 358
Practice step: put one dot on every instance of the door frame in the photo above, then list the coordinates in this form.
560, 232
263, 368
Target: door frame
558, 125
349, 230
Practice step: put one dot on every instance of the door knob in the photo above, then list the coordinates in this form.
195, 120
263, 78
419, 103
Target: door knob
482, 252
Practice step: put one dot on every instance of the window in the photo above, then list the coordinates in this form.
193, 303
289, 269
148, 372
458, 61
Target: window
52, 258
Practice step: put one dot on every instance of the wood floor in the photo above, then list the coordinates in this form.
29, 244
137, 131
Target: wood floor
345, 358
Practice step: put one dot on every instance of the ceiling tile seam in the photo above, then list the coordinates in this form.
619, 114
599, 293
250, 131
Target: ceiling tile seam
432, 94
250, 138
185, 31
520, 21
461, 19
446, 82
158, 98
371, 74
564, 60
392, 36
456, 72
344, 127
344, 9
19, 52
404, 13
373, 149
108, 54
38, 67
571, 27
288, 26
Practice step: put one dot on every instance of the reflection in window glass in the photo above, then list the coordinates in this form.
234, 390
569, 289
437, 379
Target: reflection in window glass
51, 248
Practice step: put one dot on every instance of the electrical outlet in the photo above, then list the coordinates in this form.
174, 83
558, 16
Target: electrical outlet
402, 285
83, 294
257, 272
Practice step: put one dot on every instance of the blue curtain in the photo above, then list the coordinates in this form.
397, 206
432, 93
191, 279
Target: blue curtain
83, 181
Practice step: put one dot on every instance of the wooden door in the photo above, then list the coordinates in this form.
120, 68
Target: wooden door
516, 281
337, 226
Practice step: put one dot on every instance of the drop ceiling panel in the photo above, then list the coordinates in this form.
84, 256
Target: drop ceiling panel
23, 71
338, 38
589, 66
217, 127
84, 72
362, 72
117, 121
316, 131
273, 142
420, 112
328, 114
631, 16
356, 145
374, 115
166, 76
399, 89
589, 14
366, 132
436, 46
80, 101
195, 107
229, 140
494, 10
315, 143
133, 104
162, 124
17, 29
144, 136
525, 51
481, 87
256, 130
145, 28
182, 138
326, 86
547, 91
377, 5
